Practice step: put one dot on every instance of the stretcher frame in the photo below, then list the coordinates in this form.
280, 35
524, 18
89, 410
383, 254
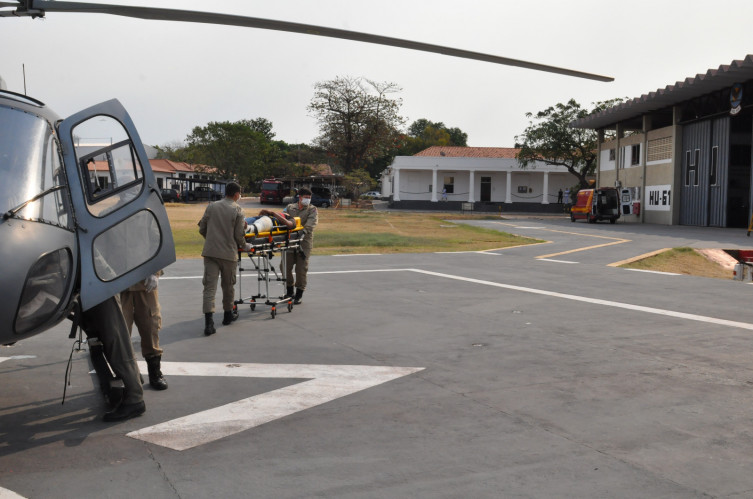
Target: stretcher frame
263, 248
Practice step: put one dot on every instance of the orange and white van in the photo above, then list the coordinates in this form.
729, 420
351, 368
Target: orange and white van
596, 204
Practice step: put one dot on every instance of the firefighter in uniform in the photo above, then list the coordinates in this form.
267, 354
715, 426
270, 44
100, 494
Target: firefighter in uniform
223, 229
300, 259
140, 304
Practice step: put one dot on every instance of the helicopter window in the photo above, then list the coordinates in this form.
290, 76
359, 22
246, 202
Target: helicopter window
44, 289
127, 245
29, 155
112, 173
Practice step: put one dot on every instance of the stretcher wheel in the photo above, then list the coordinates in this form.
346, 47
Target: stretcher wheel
253, 306
274, 312
290, 306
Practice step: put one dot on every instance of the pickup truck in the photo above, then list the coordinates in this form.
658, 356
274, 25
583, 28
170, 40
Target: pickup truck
203, 193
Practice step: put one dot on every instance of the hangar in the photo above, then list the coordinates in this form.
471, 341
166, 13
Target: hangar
682, 154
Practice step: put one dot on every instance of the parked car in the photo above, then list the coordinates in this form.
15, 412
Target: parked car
170, 196
320, 196
203, 193
372, 194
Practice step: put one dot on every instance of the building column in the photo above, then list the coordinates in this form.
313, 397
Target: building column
545, 198
508, 188
647, 125
396, 185
472, 186
434, 188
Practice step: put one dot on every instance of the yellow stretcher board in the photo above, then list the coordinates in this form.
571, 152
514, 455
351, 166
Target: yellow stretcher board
279, 237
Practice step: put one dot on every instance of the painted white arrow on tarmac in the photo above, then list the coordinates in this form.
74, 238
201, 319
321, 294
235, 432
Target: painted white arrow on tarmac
5, 493
325, 383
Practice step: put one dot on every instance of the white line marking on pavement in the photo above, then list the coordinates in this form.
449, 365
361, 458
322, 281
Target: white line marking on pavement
358, 254
17, 357
608, 303
310, 273
364, 271
557, 261
325, 383
597, 301
9, 494
654, 272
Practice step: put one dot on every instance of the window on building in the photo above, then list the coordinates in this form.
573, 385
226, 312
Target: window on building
611, 155
659, 149
449, 184
635, 154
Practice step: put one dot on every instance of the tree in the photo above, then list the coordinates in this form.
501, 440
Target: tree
550, 139
358, 121
423, 133
358, 181
263, 126
423, 128
240, 150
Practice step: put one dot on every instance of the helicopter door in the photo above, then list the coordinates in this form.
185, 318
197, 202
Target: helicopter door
121, 223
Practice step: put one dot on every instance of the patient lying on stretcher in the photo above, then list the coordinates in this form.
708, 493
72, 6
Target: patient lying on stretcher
270, 221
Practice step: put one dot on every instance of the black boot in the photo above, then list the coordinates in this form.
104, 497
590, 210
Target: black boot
209, 324
230, 316
156, 380
298, 296
125, 411
110, 386
288, 292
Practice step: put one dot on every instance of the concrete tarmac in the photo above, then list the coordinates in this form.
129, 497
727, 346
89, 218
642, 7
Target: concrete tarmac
530, 372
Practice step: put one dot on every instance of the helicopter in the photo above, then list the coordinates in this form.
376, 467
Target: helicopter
68, 240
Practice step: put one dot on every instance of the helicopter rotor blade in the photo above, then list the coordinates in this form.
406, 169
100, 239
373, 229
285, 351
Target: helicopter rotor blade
9, 4
34, 7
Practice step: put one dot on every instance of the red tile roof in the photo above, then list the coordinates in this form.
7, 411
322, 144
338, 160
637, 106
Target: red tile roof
168, 166
162, 166
469, 152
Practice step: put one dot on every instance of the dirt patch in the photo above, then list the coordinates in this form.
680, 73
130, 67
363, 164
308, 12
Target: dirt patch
688, 261
719, 257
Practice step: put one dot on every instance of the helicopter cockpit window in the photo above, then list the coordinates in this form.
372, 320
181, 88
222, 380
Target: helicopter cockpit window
30, 156
108, 163
127, 245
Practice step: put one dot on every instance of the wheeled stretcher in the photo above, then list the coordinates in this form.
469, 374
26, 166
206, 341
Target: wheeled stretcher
263, 244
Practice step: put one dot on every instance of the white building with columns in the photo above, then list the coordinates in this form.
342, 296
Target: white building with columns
479, 175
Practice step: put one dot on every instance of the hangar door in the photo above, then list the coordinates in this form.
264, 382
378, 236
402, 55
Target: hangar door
705, 172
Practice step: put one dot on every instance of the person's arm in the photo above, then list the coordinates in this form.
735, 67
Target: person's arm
290, 224
312, 220
239, 230
203, 223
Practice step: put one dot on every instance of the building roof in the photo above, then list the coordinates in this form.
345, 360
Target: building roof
168, 166
701, 84
469, 152
160, 166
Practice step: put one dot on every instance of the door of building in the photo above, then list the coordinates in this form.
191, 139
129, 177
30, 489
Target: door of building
486, 189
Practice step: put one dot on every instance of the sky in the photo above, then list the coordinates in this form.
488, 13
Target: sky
172, 76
